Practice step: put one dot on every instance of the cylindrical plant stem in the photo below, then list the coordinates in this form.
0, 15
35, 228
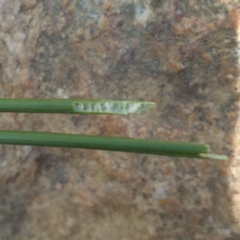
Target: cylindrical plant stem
180, 149
73, 106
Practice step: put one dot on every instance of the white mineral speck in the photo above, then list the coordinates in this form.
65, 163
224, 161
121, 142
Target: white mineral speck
142, 13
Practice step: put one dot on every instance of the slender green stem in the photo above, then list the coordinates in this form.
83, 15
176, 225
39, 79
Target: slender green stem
181, 149
73, 106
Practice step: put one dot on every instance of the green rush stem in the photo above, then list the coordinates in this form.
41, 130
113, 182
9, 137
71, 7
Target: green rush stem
74, 106
181, 149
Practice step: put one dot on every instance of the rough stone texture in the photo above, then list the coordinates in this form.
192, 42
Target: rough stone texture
179, 54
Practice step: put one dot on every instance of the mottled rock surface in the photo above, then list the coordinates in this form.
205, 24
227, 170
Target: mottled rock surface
181, 55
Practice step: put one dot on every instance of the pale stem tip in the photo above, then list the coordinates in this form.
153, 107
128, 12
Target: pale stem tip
213, 156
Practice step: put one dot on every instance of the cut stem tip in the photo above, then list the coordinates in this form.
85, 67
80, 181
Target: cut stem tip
211, 156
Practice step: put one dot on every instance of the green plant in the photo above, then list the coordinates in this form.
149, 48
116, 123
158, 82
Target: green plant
180, 149
74, 106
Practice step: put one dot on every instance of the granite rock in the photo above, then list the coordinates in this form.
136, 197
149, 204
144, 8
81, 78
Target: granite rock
181, 55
